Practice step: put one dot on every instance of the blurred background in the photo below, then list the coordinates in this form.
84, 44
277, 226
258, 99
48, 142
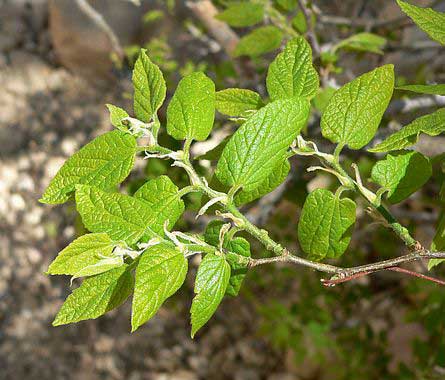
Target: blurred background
62, 60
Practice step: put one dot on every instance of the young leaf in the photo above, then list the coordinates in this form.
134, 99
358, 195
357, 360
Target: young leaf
96, 296
261, 143
356, 109
211, 283
259, 41
160, 273
191, 112
429, 89
103, 265
402, 173
117, 114
240, 15
321, 100
239, 246
292, 73
326, 224
299, 22
162, 196
438, 243
149, 88
287, 5
427, 19
238, 102
84, 251
369, 42
120, 216
432, 124
104, 162
275, 178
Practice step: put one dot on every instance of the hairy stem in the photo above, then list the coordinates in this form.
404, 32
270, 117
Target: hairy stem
283, 255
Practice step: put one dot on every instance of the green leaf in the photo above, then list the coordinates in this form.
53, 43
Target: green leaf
275, 178
149, 88
162, 195
117, 114
321, 100
211, 283
238, 102
427, 19
429, 89
160, 273
101, 266
120, 216
326, 224
438, 243
240, 15
96, 296
299, 22
368, 42
104, 162
191, 112
260, 41
82, 252
402, 173
239, 246
287, 5
432, 124
292, 73
356, 109
261, 143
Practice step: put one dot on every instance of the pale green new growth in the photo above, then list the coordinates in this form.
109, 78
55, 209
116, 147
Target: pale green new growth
84, 251
402, 173
191, 111
237, 245
292, 73
240, 15
369, 42
427, 19
104, 162
259, 41
117, 114
149, 88
429, 89
211, 283
326, 223
354, 112
96, 296
160, 273
432, 124
261, 143
238, 102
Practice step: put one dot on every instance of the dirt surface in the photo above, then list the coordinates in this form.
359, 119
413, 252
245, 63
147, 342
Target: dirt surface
46, 114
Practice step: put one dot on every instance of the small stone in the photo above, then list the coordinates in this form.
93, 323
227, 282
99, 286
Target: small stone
17, 202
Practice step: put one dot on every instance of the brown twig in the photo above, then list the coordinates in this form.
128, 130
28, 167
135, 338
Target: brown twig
419, 275
310, 27
99, 20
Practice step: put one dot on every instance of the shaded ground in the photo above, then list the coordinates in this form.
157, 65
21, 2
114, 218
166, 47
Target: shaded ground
46, 114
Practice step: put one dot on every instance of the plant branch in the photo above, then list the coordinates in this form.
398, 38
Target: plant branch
310, 27
283, 255
346, 180
99, 20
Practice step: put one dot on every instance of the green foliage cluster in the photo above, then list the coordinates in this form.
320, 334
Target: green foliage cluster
132, 247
